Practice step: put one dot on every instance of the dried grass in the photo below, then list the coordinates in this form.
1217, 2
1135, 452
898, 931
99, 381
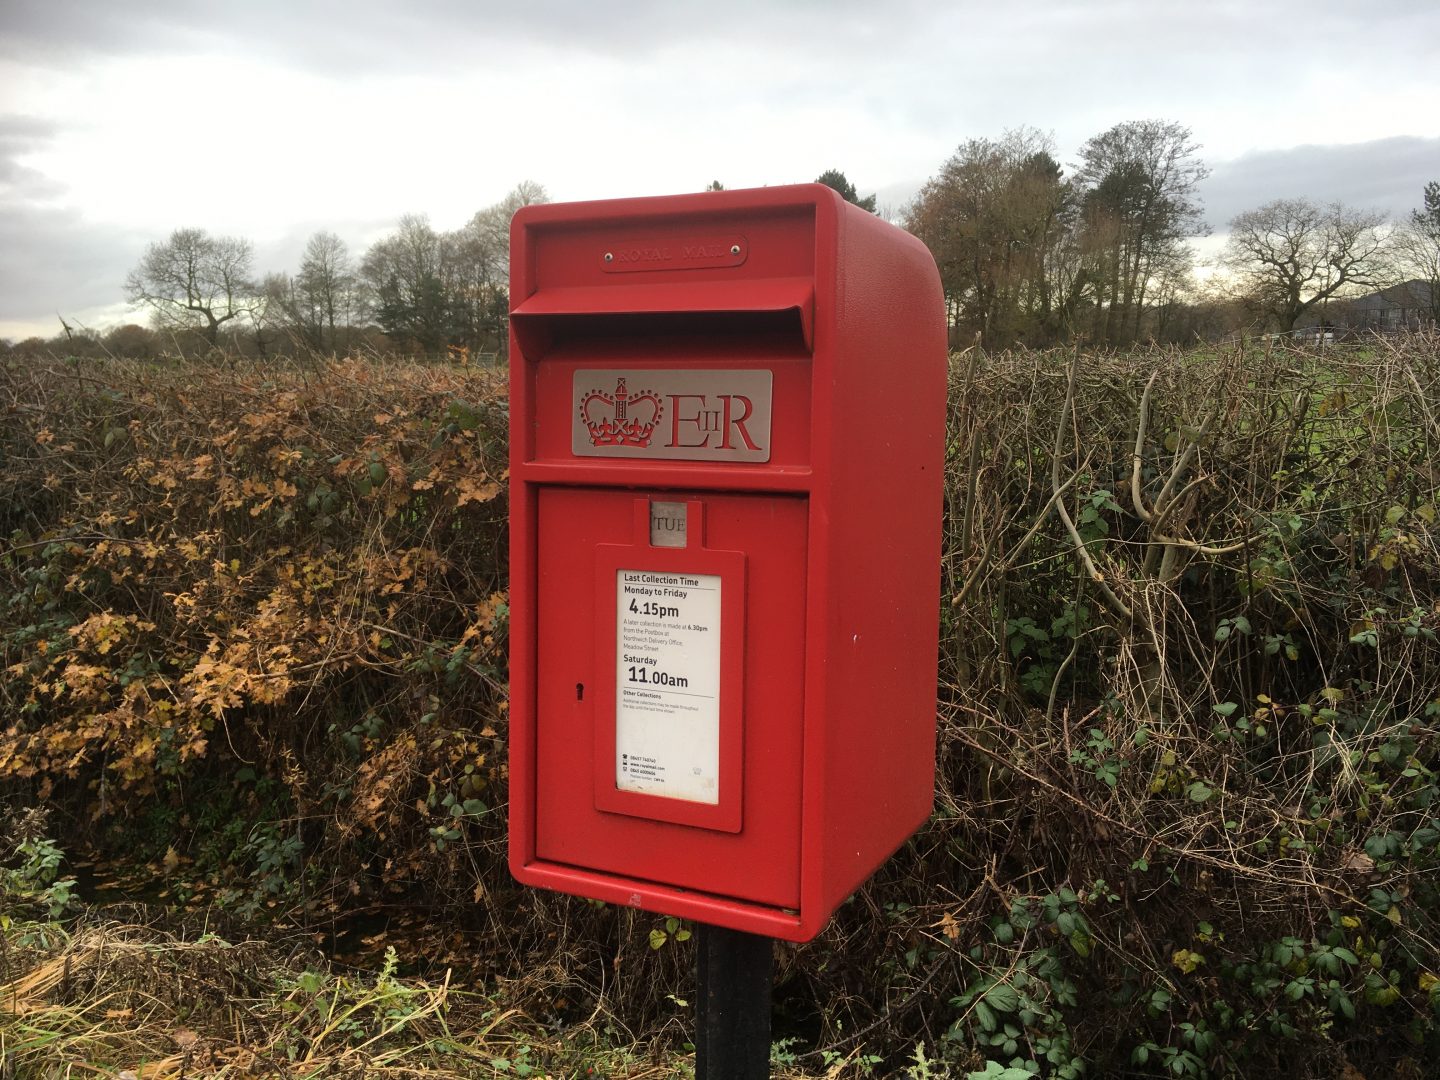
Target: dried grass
132, 1001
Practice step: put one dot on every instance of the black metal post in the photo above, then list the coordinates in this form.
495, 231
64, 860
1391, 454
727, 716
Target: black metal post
732, 1021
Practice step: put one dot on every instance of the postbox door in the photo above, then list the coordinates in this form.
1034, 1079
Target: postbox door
670, 699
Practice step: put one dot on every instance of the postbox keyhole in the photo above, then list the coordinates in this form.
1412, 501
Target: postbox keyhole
579, 691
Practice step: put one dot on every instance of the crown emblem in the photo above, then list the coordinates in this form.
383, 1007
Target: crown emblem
621, 418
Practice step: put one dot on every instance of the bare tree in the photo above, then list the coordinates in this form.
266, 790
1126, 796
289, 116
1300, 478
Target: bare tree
406, 270
319, 304
491, 227
1418, 247
195, 281
480, 263
327, 283
444, 290
1139, 206
1291, 254
995, 218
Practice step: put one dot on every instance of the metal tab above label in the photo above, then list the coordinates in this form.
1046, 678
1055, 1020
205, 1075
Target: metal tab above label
668, 523
686, 415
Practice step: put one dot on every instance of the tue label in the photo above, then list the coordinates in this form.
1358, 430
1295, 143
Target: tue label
667, 524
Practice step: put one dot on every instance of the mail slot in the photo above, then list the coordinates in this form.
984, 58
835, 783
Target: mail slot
727, 443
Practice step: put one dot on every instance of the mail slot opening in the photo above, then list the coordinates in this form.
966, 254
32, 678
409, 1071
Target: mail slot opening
778, 332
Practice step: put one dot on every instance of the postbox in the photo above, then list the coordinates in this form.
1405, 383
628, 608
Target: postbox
727, 444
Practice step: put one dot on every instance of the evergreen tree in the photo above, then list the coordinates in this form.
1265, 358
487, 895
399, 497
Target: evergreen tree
837, 181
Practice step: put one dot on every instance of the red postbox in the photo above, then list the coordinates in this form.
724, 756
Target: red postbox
727, 445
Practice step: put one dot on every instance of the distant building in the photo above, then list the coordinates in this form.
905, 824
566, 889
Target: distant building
1410, 305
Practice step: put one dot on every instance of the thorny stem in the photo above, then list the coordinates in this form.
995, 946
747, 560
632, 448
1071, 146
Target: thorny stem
1111, 599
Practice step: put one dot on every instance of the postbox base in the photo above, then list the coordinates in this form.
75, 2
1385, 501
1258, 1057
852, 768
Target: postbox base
666, 900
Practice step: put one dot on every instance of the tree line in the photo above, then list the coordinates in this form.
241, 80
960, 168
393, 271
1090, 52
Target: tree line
417, 290
1029, 253
424, 290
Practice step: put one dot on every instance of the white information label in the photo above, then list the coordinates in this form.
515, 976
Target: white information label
667, 684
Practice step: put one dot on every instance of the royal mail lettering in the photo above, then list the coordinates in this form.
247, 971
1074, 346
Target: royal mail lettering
642, 254
695, 415
673, 253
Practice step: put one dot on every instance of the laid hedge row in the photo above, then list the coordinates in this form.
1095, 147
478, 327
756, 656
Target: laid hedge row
252, 627
259, 616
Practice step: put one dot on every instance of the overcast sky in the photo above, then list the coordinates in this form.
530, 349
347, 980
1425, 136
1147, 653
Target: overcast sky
121, 120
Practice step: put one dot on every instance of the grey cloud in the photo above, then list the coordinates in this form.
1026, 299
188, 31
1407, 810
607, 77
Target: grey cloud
51, 258
893, 200
1385, 174
1135, 42
55, 261
21, 133
40, 30
357, 35
18, 136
